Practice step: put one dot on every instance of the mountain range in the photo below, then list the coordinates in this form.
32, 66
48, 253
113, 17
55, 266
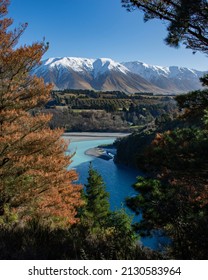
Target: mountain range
105, 74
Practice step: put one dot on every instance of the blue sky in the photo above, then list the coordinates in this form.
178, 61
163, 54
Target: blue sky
99, 28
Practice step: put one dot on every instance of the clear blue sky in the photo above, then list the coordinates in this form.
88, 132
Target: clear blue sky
99, 28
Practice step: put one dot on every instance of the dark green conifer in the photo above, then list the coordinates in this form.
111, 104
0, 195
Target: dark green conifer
97, 204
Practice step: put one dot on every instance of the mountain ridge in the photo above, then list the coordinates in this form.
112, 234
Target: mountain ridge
171, 78
106, 74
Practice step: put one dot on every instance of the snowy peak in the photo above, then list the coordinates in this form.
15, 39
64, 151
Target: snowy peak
77, 64
145, 70
172, 78
95, 74
103, 65
95, 66
151, 71
106, 74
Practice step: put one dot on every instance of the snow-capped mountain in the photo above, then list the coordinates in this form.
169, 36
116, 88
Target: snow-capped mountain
173, 78
95, 67
97, 74
106, 75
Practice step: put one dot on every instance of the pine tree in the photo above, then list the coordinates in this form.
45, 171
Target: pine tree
33, 165
187, 20
97, 204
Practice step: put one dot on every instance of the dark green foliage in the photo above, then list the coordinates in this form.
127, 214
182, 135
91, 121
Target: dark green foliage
175, 211
36, 242
186, 134
204, 80
175, 200
141, 114
194, 104
194, 101
111, 238
97, 208
130, 150
106, 234
180, 150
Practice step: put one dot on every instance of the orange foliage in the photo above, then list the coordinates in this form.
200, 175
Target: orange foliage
159, 139
33, 164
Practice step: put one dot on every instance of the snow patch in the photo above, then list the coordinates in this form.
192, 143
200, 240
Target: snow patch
93, 66
103, 65
150, 72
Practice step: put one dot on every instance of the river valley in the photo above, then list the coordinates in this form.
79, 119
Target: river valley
118, 178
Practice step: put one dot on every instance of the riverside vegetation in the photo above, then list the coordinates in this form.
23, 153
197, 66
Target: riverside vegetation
45, 215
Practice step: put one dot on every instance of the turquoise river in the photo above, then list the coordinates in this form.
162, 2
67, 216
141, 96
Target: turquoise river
118, 178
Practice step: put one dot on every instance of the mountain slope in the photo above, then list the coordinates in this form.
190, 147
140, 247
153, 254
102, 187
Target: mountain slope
107, 75
173, 78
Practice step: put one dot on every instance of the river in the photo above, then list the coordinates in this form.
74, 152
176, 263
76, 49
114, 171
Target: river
118, 178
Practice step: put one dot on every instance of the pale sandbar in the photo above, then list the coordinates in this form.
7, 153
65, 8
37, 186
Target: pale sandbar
87, 136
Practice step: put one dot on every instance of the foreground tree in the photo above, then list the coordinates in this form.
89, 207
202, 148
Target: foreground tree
33, 165
106, 234
187, 20
175, 201
178, 210
97, 208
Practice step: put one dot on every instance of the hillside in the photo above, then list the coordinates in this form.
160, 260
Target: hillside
84, 110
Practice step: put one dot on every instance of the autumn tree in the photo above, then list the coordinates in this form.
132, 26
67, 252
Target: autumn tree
33, 165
